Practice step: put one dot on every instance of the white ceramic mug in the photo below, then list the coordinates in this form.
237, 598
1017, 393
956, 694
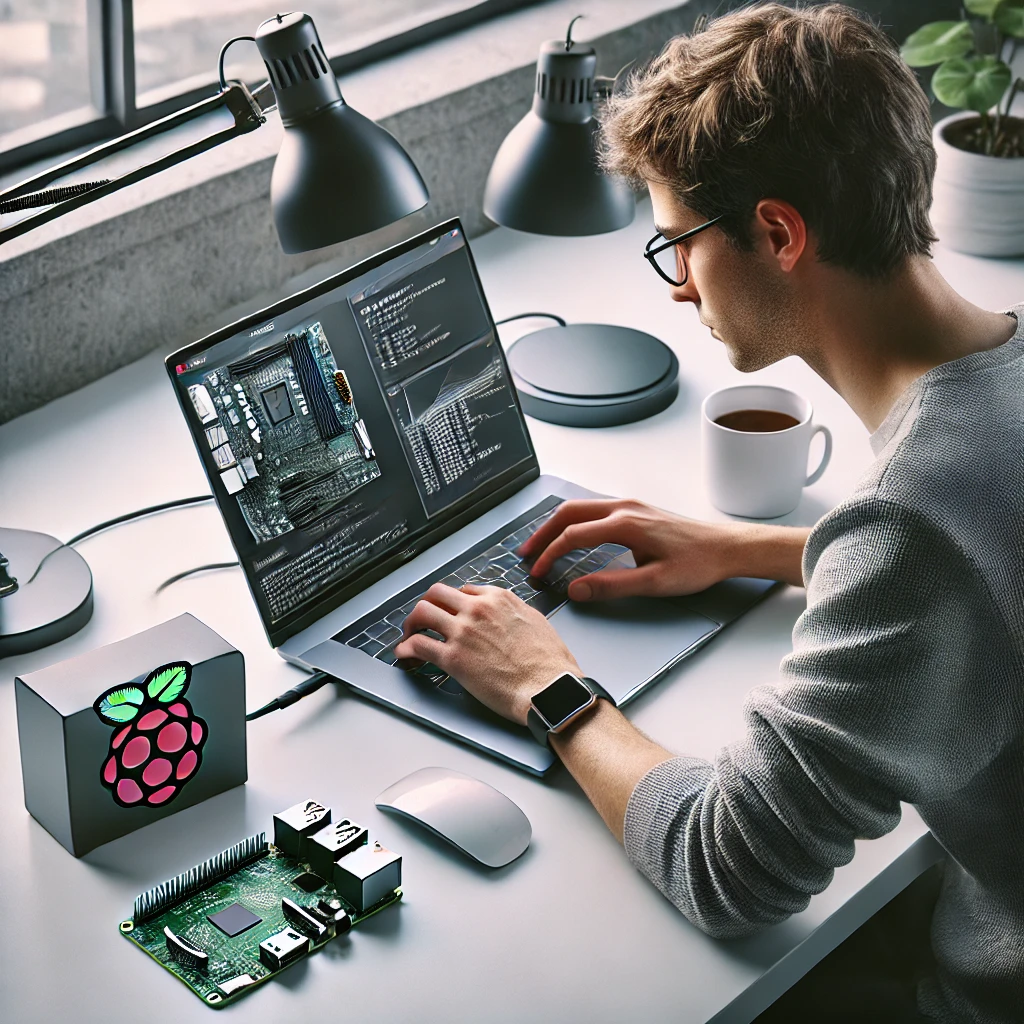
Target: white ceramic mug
758, 474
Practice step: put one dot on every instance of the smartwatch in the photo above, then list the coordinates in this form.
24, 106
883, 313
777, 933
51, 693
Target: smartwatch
560, 703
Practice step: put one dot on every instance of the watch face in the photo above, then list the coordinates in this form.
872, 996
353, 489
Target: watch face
559, 700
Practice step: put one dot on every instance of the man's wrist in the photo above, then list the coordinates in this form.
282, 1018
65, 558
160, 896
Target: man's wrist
596, 719
764, 551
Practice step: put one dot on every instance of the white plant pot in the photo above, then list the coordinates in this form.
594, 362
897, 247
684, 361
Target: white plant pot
978, 201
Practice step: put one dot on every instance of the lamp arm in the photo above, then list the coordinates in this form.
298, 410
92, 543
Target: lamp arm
245, 107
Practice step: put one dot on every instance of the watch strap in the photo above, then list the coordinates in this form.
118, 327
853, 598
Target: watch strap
538, 727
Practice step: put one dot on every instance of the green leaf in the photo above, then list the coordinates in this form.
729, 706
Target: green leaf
169, 681
1010, 18
973, 83
983, 8
120, 705
937, 42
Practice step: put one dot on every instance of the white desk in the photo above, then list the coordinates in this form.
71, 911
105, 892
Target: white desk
570, 932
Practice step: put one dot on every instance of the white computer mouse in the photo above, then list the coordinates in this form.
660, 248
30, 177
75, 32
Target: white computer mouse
474, 817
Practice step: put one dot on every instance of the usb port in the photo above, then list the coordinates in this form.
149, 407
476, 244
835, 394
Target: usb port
281, 949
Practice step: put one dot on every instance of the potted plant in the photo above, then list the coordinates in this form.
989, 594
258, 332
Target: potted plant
978, 204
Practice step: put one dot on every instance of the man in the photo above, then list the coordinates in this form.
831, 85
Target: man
807, 136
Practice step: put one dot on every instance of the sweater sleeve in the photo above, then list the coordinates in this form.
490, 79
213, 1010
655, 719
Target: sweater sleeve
866, 714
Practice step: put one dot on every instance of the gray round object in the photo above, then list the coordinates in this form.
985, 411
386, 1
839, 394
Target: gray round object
56, 604
593, 375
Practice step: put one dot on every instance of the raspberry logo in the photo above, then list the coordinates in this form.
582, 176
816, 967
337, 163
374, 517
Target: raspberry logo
158, 745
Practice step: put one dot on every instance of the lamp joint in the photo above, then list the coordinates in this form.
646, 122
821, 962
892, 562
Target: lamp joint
245, 109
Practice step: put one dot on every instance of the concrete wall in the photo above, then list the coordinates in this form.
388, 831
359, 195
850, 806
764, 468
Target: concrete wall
158, 265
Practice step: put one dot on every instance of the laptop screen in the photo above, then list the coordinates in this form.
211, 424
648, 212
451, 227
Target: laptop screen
348, 427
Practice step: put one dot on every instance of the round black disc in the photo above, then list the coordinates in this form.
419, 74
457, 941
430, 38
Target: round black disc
593, 374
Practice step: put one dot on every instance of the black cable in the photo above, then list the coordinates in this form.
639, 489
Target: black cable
289, 697
198, 568
50, 196
149, 510
569, 41
523, 316
223, 51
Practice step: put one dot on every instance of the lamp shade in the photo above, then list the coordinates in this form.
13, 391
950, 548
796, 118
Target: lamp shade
545, 177
338, 174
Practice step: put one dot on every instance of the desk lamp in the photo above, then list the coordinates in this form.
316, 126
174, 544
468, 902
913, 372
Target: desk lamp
336, 176
546, 179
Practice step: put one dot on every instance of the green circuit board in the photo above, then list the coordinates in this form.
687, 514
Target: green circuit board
249, 881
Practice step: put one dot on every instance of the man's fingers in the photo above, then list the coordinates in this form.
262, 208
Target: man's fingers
577, 511
446, 597
611, 583
422, 648
427, 615
575, 535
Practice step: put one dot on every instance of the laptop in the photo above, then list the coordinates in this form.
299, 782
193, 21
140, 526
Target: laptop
363, 440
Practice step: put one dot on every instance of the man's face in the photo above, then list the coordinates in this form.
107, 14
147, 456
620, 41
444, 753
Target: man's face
741, 296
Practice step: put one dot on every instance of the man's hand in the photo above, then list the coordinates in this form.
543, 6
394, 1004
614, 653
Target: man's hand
503, 652
674, 556
499, 648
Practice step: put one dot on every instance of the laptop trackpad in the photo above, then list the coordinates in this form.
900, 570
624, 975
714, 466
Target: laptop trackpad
624, 644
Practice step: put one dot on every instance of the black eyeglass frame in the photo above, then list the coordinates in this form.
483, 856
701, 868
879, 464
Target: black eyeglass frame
650, 253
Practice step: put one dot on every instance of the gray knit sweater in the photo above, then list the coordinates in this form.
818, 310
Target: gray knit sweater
906, 683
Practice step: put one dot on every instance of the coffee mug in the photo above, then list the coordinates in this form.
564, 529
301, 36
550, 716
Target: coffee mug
755, 462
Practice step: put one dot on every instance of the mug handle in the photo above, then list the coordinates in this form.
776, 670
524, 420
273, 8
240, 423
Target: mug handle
826, 455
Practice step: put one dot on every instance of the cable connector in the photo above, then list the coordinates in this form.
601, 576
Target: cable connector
292, 696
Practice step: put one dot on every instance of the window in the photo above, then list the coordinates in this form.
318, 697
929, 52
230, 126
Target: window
44, 64
76, 72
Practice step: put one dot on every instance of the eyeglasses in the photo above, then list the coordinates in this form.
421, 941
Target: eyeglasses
668, 259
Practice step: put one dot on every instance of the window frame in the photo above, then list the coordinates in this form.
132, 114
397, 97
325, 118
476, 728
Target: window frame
113, 110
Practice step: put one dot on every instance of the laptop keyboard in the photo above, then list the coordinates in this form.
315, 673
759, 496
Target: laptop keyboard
497, 565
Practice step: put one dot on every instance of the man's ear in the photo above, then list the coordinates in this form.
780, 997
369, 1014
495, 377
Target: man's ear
783, 230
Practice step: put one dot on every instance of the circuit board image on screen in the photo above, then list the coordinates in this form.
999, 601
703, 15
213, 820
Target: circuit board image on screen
459, 423
284, 431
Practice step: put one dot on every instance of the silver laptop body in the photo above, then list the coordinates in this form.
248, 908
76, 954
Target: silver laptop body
360, 449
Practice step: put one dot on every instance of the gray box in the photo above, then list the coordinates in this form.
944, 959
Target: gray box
293, 827
132, 732
332, 843
365, 876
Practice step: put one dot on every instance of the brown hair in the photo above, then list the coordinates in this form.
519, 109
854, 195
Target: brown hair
812, 106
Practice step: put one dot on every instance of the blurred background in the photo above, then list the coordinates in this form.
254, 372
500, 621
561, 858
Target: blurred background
44, 60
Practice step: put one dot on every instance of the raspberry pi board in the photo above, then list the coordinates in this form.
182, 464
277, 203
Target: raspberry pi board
238, 919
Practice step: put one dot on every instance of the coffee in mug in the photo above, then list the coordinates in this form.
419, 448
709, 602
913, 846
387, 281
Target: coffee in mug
755, 442
759, 421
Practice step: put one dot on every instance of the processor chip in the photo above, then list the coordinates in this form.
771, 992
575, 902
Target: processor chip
233, 920
278, 403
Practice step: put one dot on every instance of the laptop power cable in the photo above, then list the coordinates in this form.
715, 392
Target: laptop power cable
289, 697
